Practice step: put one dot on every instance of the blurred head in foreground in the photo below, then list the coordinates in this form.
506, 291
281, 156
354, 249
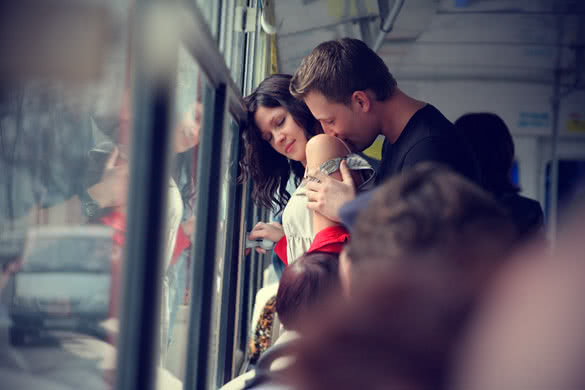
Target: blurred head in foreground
530, 331
427, 215
305, 284
397, 331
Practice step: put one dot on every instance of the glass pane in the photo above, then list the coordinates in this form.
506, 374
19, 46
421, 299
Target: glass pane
189, 114
63, 193
232, 44
225, 218
570, 187
237, 60
210, 11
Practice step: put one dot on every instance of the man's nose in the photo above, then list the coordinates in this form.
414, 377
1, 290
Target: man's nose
329, 131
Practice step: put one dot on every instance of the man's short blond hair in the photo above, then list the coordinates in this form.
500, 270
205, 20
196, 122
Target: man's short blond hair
339, 68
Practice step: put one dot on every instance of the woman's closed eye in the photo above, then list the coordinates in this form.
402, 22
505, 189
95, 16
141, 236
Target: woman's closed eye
280, 122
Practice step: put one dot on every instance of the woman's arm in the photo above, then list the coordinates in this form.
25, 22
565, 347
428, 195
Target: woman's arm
321, 148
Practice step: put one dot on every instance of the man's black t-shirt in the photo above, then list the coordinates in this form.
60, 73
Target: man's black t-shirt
428, 136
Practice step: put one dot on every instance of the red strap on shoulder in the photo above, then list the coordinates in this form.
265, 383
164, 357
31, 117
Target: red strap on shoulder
280, 249
330, 240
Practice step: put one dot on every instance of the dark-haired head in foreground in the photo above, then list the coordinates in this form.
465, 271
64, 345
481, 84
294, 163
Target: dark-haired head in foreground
304, 285
399, 330
428, 214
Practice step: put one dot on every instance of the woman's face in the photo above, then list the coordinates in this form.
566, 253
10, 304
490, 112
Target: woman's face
282, 132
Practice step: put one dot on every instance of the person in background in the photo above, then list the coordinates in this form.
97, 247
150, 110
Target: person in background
493, 145
305, 284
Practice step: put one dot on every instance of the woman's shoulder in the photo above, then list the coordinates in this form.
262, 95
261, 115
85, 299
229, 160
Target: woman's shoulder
323, 143
323, 147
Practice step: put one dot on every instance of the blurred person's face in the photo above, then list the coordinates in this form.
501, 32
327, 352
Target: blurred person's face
188, 129
354, 123
529, 332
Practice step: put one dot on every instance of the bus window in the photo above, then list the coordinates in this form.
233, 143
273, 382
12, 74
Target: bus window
211, 12
64, 158
189, 115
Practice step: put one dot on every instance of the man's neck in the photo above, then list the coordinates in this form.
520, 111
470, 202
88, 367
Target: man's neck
396, 112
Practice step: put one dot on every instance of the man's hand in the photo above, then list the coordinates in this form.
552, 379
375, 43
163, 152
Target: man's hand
112, 190
328, 195
272, 231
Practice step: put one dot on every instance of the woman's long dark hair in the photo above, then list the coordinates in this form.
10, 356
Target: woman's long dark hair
268, 169
493, 145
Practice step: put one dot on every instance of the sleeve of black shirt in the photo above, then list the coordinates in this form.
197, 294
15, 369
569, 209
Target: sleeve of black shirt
443, 150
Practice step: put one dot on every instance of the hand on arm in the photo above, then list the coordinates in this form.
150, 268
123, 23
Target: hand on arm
328, 195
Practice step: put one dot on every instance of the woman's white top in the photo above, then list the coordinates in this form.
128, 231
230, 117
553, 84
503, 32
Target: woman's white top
297, 219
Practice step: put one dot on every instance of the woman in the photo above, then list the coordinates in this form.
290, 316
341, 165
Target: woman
493, 145
283, 139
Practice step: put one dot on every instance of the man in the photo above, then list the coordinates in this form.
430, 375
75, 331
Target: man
350, 90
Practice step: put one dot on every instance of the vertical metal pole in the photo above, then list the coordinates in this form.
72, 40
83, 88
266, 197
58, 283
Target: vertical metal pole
227, 307
208, 172
149, 181
241, 319
388, 24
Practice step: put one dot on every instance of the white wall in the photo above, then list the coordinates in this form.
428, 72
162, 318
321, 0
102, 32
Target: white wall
492, 56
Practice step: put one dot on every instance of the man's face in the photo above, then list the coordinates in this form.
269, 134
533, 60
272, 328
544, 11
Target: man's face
348, 122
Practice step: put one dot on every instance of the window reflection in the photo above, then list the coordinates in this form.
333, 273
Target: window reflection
63, 158
189, 114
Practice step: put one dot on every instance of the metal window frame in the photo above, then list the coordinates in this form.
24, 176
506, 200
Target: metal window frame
230, 270
153, 92
226, 30
201, 44
208, 173
240, 318
153, 107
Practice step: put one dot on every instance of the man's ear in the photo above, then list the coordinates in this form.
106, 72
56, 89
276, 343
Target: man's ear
361, 101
